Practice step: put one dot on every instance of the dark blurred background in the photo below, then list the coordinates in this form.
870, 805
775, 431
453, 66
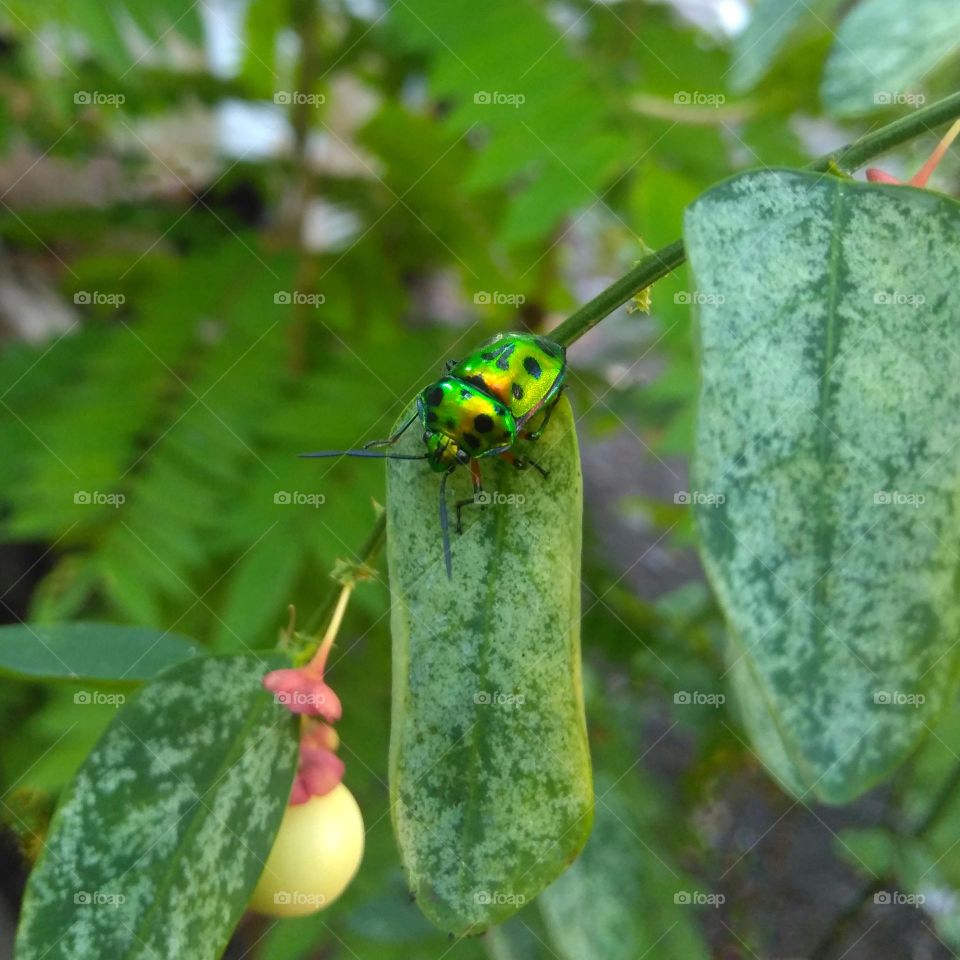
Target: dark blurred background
234, 230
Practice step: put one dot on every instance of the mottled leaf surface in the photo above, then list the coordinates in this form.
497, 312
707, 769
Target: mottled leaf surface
489, 768
827, 456
884, 49
106, 652
160, 838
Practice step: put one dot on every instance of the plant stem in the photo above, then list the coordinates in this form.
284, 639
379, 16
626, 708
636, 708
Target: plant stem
657, 265
892, 135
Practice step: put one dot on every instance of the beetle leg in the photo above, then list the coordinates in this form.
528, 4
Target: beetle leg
522, 463
477, 497
393, 438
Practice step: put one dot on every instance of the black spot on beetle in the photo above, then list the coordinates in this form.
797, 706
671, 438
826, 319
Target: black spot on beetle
451, 423
434, 396
432, 416
487, 356
483, 423
471, 440
465, 395
517, 391
532, 367
478, 381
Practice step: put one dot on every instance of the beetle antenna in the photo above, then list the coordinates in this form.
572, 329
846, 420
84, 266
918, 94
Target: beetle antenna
371, 454
445, 525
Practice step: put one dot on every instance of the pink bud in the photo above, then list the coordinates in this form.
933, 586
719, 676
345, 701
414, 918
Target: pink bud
320, 770
304, 692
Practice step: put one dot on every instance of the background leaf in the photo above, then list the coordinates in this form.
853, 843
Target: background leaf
89, 651
160, 838
884, 49
491, 795
828, 449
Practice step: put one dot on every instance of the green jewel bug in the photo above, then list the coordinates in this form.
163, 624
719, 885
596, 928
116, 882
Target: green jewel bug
480, 408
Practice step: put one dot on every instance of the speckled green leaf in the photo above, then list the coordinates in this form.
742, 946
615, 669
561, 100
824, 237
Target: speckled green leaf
161, 836
98, 652
827, 463
884, 49
489, 767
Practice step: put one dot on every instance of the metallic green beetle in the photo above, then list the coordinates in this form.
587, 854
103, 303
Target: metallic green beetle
480, 408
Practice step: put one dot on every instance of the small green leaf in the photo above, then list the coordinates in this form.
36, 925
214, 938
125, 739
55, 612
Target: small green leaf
489, 764
161, 837
96, 652
827, 457
772, 25
884, 48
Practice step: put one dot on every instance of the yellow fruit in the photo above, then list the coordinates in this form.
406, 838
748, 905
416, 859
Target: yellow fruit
315, 856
